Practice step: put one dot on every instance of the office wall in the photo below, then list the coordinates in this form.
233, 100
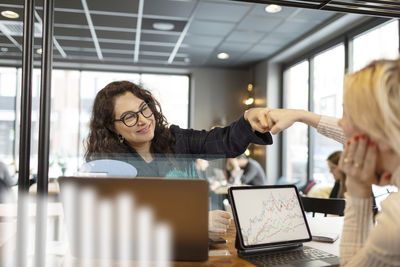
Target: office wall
217, 96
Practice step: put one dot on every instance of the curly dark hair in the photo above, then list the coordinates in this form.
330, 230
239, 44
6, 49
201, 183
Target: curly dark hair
103, 140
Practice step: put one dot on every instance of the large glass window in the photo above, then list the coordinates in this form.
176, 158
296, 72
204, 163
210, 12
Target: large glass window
8, 87
327, 83
172, 93
378, 43
91, 83
295, 153
72, 97
328, 75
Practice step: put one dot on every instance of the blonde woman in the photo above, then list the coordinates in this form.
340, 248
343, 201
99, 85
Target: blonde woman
371, 117
371, 122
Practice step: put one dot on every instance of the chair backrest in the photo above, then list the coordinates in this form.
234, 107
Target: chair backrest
108, 167
326, 206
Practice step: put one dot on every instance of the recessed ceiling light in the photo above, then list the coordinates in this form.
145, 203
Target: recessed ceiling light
39, 51
187, 60
10, 14
223, 55
273, 8
4, 49
163, 26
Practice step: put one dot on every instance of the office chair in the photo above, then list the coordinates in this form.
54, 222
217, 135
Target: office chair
108, 167
333, 206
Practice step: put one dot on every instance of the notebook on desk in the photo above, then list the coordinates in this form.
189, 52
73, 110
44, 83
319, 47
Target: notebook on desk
271, 227
137, 227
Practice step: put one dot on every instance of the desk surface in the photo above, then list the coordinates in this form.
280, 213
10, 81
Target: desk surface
226, 255
220, 255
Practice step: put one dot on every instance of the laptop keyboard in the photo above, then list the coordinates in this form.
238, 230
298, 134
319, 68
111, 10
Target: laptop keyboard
298, 255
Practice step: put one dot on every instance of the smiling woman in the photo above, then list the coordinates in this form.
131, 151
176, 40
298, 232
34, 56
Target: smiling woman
127, 124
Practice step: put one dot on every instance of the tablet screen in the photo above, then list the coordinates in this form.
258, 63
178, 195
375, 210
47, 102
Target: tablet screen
268, 215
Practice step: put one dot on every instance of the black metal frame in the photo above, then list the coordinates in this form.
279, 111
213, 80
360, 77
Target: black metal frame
380, 8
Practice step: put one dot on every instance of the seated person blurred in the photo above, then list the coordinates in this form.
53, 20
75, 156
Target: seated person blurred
6, 181
339, 188
246, 170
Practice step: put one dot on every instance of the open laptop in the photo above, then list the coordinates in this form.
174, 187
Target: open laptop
180, 204
271, 227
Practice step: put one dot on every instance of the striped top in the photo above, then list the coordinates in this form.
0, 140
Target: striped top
362, 243
329, 127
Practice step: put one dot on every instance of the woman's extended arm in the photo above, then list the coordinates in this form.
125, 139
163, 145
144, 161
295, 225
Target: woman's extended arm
281, 119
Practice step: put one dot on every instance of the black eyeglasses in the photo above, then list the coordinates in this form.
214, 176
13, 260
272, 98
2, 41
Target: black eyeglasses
131, 118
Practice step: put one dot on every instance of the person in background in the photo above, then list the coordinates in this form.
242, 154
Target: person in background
371, 124
127, 123
252, 173
6, 181
339, 188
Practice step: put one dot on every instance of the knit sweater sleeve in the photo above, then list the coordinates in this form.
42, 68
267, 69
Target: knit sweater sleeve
362, 244
329, 127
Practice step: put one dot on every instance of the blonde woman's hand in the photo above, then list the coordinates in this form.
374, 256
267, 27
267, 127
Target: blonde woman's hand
218, 221
358, 161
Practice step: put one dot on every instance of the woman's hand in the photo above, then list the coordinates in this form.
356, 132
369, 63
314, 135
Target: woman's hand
218, 221
257, 117
358, 161
277, 120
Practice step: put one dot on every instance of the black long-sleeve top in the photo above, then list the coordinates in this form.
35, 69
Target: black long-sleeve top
227, 142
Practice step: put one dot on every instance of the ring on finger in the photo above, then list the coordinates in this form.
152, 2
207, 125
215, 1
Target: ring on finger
346, 160
356, 164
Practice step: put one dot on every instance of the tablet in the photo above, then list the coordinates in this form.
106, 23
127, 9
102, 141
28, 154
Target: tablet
268, 216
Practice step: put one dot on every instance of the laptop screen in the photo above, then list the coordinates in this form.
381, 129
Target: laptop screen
268, 215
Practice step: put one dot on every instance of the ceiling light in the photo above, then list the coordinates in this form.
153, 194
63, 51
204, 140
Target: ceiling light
223, 55
163, 26
247, 152
249, 101
4, 49
273, 8
187, 60
250, 87
39, 51
10, 14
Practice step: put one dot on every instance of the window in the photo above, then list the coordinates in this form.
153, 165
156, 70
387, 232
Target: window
72, 97
381, 42
295, 152
326, 96
328, 74
8, 87
91, 82
172, 91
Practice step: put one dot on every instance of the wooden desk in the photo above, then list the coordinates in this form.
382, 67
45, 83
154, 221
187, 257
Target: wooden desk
224, 254
227, 255
53, 188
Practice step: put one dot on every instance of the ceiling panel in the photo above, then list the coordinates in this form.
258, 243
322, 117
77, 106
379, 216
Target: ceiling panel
115, 35
172, 8
210, 27
317, 15
123, 6
232, 12
165, 38
68, 17
259, 24
230, 47
114, 21
245, 36
202, 40
71, 32
259, 11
